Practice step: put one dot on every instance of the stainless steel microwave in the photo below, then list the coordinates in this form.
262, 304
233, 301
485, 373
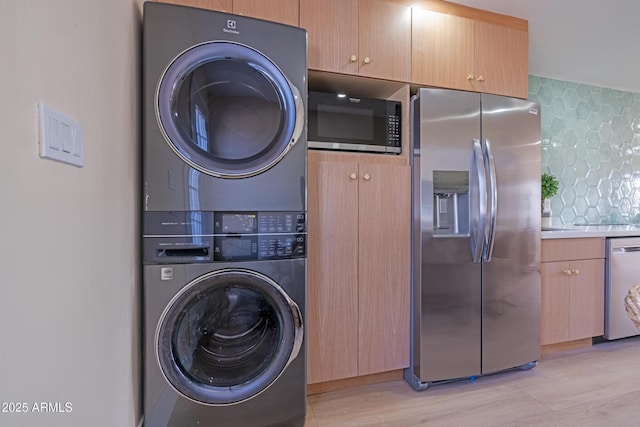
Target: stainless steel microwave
341, 122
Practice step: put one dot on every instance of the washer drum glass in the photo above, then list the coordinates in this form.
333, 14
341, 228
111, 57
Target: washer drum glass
227, 336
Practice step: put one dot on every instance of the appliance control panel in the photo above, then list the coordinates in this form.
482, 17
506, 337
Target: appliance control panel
259, 235
393, 131
259, 222
196, 237
259, 247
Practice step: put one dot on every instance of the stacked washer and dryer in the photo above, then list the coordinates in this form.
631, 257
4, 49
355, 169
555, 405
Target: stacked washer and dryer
224, 219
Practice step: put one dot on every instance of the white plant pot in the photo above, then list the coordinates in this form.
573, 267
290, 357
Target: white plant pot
546, 213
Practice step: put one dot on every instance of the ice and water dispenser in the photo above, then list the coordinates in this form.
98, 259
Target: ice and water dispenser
450, 203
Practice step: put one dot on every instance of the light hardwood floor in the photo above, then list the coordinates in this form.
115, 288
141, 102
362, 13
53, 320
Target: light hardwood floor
594, 386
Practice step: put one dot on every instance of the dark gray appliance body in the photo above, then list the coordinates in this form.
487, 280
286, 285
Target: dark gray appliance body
476, 235
224, 305
248, 80
283, 403
224, 212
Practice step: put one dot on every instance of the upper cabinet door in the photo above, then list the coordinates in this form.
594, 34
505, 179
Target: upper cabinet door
361, 37
460, 53
283, 11
442, 50
332, 27
384, 40
221, 5
501, 60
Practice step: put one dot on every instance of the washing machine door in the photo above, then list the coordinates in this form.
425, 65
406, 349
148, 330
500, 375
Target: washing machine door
227, 110
227, 336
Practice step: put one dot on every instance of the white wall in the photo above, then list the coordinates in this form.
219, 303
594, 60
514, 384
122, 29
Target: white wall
69, 274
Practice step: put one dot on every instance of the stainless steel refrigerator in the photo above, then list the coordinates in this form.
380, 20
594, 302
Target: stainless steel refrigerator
475, 235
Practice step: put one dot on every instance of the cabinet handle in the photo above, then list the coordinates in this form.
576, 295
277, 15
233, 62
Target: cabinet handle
366, 60
470, 77
481, 78
568, 272
353, 175
367, 177
576, 271
353, 58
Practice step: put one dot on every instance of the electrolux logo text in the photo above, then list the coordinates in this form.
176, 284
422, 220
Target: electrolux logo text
231, 27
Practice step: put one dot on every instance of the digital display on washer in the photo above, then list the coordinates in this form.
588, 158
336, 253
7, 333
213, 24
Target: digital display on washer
233, 247
238, 223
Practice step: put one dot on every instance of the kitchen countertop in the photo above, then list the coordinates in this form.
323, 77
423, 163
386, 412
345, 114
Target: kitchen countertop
579, 231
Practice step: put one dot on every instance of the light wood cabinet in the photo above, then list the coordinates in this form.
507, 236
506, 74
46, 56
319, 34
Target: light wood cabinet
461, 53
501, 60
332, 31
442, 50
358, 266
370, 38
572, 305
284, 11
221, 5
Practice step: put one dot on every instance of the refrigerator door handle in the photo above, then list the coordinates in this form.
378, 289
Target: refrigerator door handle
478, 202
492, 205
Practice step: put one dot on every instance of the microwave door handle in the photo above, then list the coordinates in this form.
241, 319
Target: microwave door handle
478, 201
492, 204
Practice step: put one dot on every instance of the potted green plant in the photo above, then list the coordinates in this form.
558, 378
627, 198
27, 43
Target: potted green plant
550, 186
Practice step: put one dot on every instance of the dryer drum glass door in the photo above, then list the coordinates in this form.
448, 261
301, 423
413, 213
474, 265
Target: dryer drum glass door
227, 110
227, 336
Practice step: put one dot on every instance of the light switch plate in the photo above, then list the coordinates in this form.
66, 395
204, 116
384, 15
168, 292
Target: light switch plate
61, 137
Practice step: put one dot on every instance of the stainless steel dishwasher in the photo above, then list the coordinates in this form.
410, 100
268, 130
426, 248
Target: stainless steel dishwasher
622, 272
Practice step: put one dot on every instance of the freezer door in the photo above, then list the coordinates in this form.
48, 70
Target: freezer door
511, 279
447, 288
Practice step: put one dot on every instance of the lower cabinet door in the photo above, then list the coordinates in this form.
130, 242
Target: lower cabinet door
555, 302
587, 299
332, 310
384, 266
572, 306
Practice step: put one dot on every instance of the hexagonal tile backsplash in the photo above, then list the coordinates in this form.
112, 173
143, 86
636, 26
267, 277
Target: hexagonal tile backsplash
591, 143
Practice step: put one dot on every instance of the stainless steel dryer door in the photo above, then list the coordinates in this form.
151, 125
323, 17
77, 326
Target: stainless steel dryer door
227, 336
227, 110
